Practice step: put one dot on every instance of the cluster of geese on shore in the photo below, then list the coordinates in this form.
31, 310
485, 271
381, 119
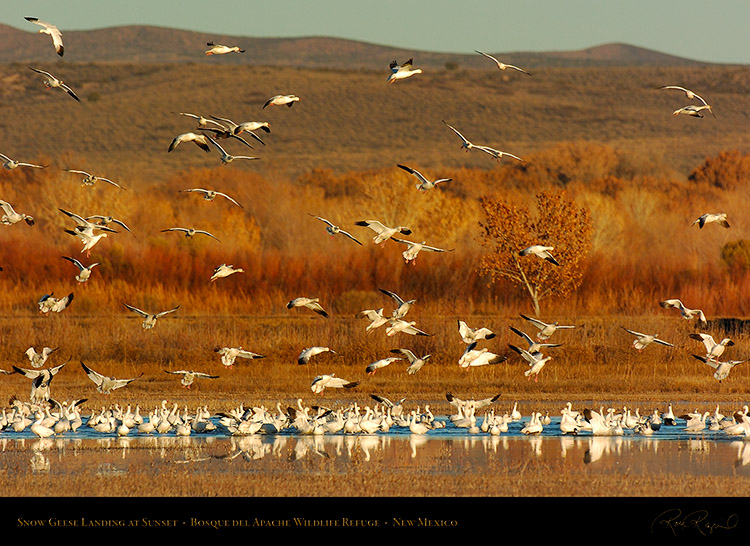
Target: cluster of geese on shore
91, 229
384, 416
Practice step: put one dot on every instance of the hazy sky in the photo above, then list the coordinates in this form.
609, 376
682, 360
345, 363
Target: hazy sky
700, 30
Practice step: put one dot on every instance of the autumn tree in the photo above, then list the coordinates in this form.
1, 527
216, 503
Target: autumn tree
558, 223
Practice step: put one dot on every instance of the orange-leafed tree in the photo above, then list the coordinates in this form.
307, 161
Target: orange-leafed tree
558, 223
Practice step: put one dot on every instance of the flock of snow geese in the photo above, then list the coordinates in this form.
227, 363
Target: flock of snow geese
45, 416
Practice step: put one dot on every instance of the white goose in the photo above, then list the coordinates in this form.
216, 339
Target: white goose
218, 49
281, 100
40, 381
210, 195
373, 367
471, 335
686, 313
11, 164
688, 93
199, 140
383, 232
642, 341
104, 384
84, 271
227, 158
248, 126
375, 316
398, 325
534, 426
51, 82
415, 363
90, 179
52, 31
694, 111
473, 357
545, 329
38, 359
713, 349
540, 251
534, 346
401, 72
722, 368
414, 248
225, 270
10, 216
711, 217
321, 382
424, 183
333, 229
535, 360
402, 306
500, 65
309, 352
230, 354
149, 319
311, 303
190, 232
189, 376
50, 304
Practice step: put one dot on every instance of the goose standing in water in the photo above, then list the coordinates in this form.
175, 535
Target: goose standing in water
401, 72
52, 31
149, 319
51, 82
311, 303
642, 341
230, 354
104, 384
11, 217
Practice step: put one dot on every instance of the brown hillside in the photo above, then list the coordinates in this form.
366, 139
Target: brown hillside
134, 44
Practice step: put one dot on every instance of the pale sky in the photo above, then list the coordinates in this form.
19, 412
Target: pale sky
700, 30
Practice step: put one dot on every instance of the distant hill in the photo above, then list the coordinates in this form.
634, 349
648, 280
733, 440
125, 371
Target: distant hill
134, 44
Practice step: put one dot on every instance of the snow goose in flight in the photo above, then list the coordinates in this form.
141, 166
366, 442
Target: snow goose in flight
497, 154
688, 93
230, 354
224, 133
309, 352
322, 382
722, 368
415, 363
478, 404
534, 346
218, 49
641, 341
471, 335
465, 143
474, 357
149, 319
375, 316
11, 164
87, 237
541, 251
202, 120
225, 270
686, 313
400, 72
210, 195
398, 325
546, 330
424, 183
713, 350
90, 179
373, 367
189, 376
190, 232
535, 360
84, 271
239, 128
104, 384
50, 304
414, 248
85, 225
225, 157
40, 381
38, 359
51, 82
383, 233
311, 303
718, 217
106, 220
694, 111
333, 229
11, 217
402, 306
199, 140
280, 100
53, 31
502, 66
